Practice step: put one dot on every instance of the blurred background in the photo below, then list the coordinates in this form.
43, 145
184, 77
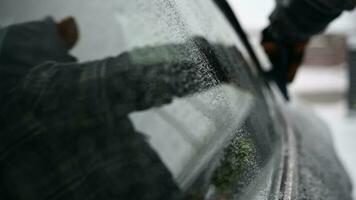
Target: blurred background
326, 83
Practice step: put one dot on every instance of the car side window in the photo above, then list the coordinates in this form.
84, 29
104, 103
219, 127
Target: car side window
219, 142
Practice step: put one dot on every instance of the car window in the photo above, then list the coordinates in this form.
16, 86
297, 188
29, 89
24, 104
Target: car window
217, 143
223, 139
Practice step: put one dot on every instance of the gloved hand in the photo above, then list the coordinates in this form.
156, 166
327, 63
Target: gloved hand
285, 57
68, 31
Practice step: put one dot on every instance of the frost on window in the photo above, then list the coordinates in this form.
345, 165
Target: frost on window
219, 140
217, 143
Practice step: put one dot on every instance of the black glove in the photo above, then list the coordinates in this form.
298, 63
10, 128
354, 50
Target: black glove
285, 57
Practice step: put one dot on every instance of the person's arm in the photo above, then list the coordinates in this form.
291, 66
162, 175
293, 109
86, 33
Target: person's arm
292, 24
298, 20
113, 83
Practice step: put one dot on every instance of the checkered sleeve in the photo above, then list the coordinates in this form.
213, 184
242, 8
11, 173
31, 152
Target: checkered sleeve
114, 83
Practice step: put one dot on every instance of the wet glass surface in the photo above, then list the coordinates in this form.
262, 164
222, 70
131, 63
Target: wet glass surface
193, 131
217, 134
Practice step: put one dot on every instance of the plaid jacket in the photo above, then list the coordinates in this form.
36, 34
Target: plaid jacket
64, 130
